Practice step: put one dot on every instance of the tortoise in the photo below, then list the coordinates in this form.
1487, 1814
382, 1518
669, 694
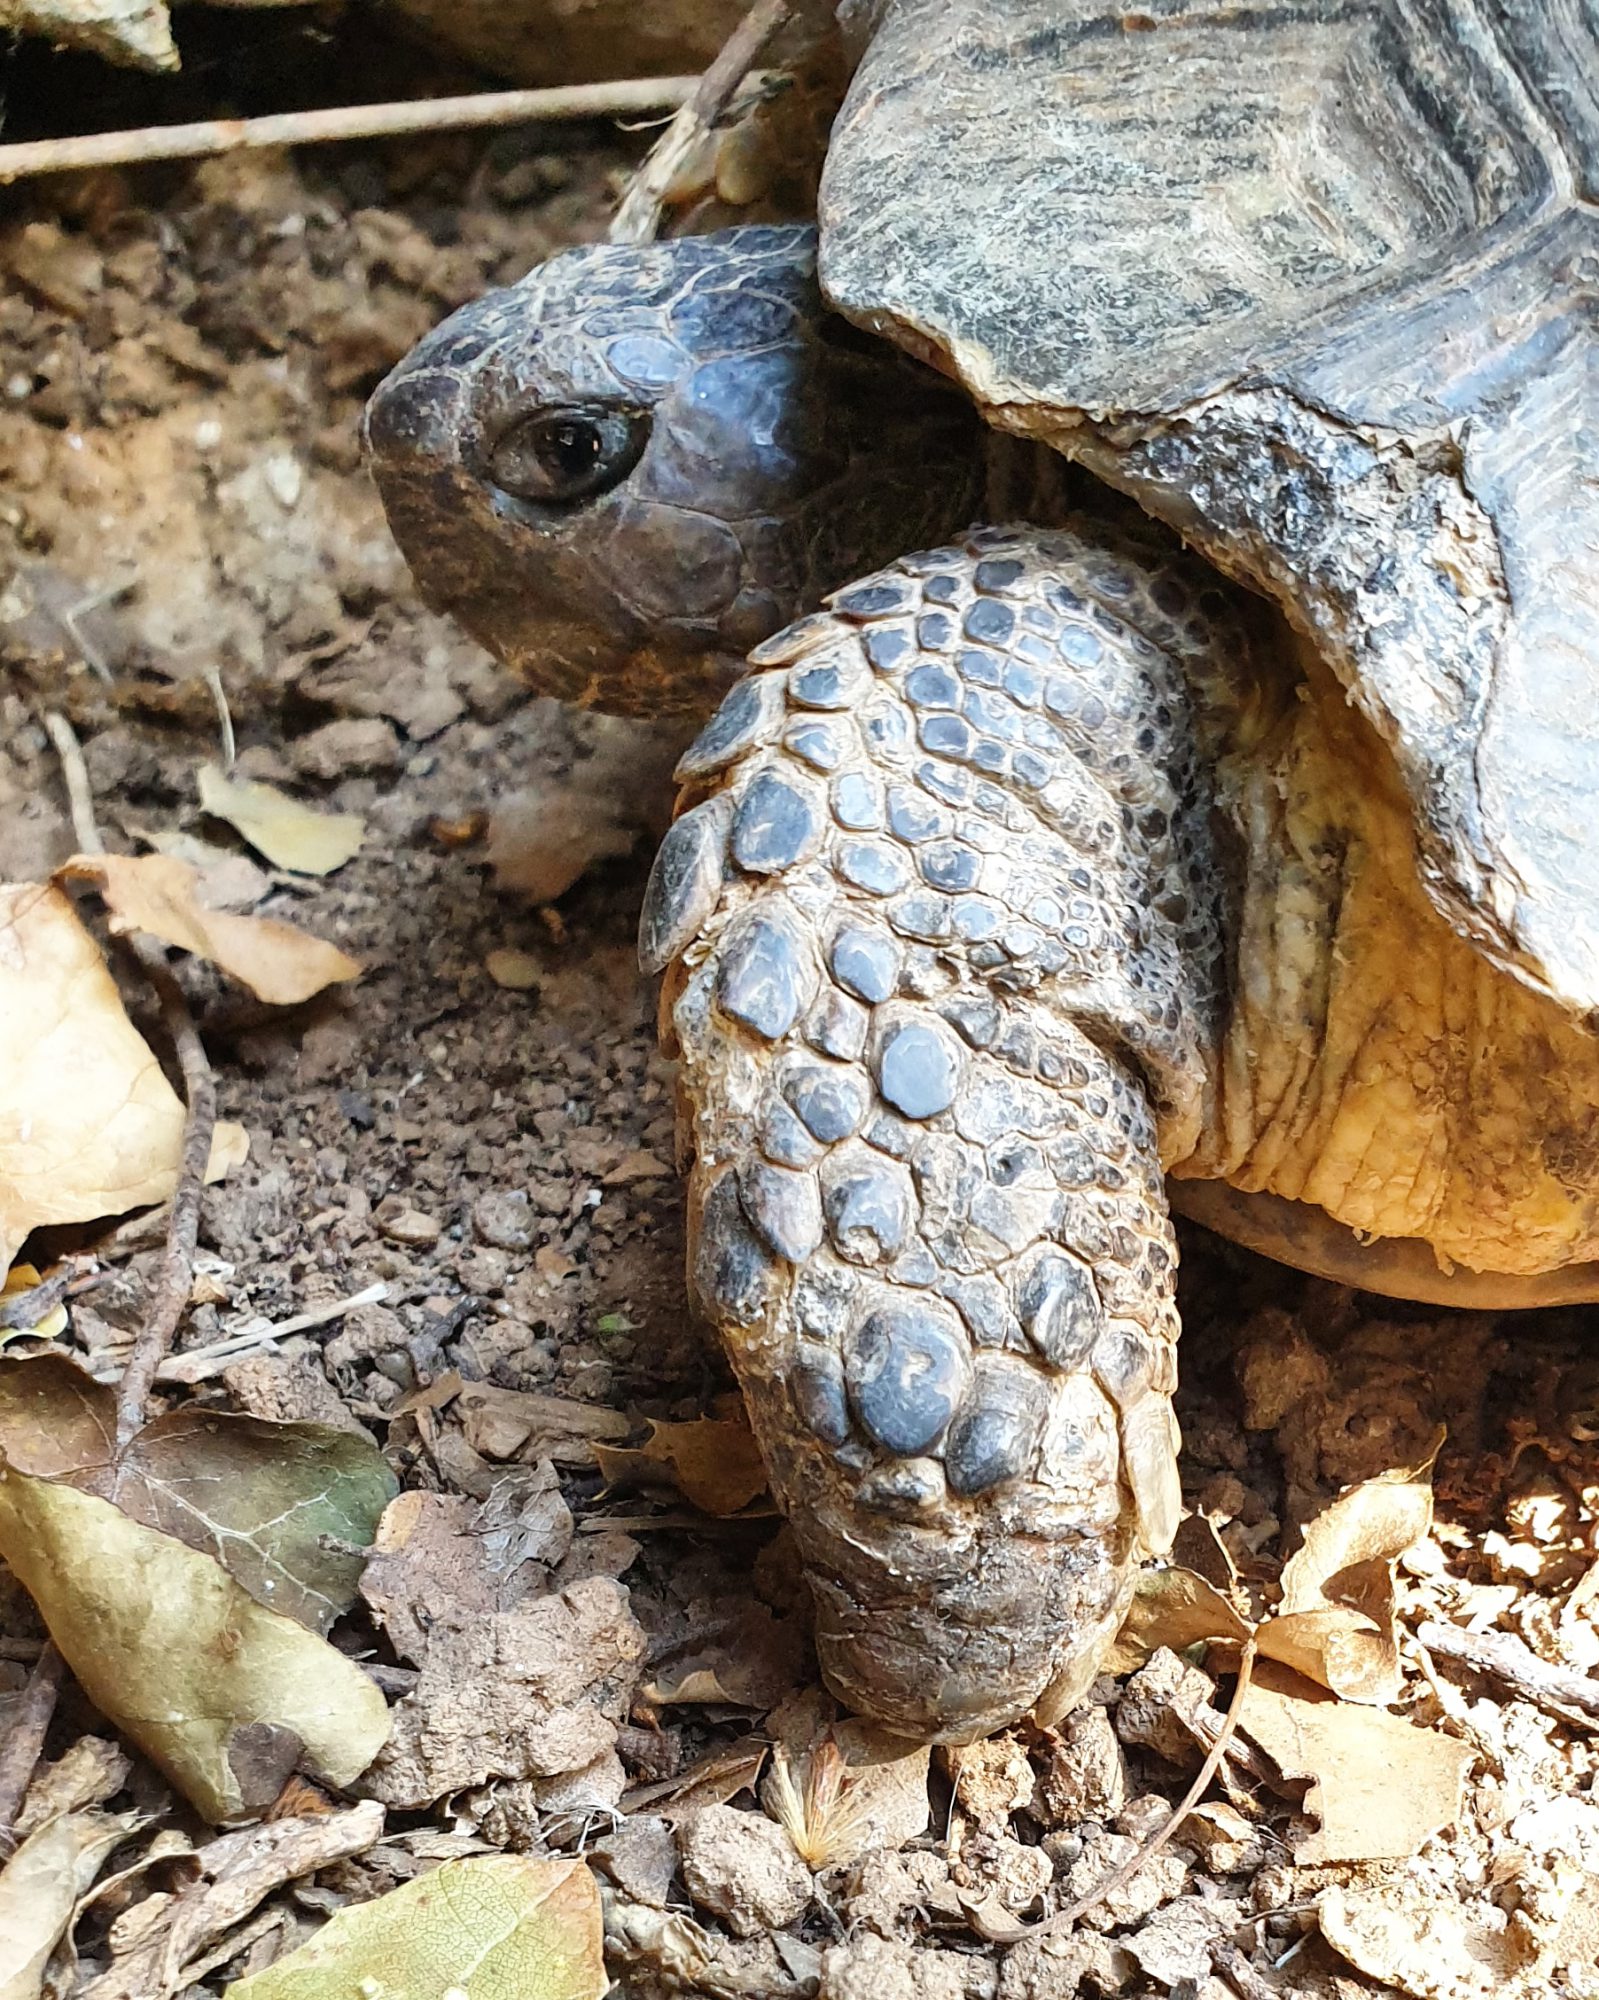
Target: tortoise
1214, 831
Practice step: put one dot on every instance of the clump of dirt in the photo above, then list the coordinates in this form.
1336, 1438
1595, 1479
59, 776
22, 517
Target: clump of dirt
483, 1129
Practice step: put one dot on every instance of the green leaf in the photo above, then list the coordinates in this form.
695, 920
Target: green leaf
494, 1927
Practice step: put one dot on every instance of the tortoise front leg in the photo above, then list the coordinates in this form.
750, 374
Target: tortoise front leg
946, 982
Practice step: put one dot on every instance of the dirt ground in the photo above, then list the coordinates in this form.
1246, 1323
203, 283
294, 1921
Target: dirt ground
481, 1126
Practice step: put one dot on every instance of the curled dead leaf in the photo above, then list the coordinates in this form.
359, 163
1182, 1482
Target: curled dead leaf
159, 895
50, 1324
224, 1696
287, 1509
183, 1935
39, 1889
1175, 1608
1337, 1620
290, 834
713, 1462
89, 1125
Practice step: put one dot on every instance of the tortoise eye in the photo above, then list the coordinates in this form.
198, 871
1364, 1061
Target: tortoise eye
558, 457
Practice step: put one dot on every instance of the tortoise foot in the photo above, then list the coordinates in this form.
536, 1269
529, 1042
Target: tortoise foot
940, 978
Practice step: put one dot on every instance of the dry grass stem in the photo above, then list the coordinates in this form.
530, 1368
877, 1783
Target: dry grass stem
638, 217
176, 1276
627, 97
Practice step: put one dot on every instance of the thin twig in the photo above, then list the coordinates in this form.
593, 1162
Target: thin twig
24, 1743
199, 1364
1196, 1791
625, 98
1573, 1697
1230, 1964
638, 217
176, 1277
26, 1309
75, 775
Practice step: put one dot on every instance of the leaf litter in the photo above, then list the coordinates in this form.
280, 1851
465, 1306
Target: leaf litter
187, 1578
160, 895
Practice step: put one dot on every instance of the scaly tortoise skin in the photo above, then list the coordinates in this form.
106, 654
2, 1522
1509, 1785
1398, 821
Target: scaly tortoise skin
1027, 868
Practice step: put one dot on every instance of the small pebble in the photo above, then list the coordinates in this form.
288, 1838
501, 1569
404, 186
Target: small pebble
517, 971
504, 1219
408, 1225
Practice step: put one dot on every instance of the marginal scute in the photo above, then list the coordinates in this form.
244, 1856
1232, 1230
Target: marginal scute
685, 884
868, 1204
826, 683
816, 1388
837, 1026
904, 1490
865, 962
873, 866
732, 1268
1060, 1310
994, 1437
1123, 1363
783, 1139
830, 1102
856, 804
1149, 1451
907, 1369
817, 743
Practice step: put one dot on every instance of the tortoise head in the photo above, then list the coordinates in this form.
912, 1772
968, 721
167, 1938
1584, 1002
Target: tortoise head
625, 471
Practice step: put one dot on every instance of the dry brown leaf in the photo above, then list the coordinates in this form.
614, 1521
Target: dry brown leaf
1175, 1608
713, 1462
230, 1148
287, 1509
508, 1423
712, 1781
159, 1573
745, 1656
89, 1126
290, 834
1428, 1944
159, 895
1379, 1785
92, 1771
1336, 1622
39, 1889
217, 1690
232, 1875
